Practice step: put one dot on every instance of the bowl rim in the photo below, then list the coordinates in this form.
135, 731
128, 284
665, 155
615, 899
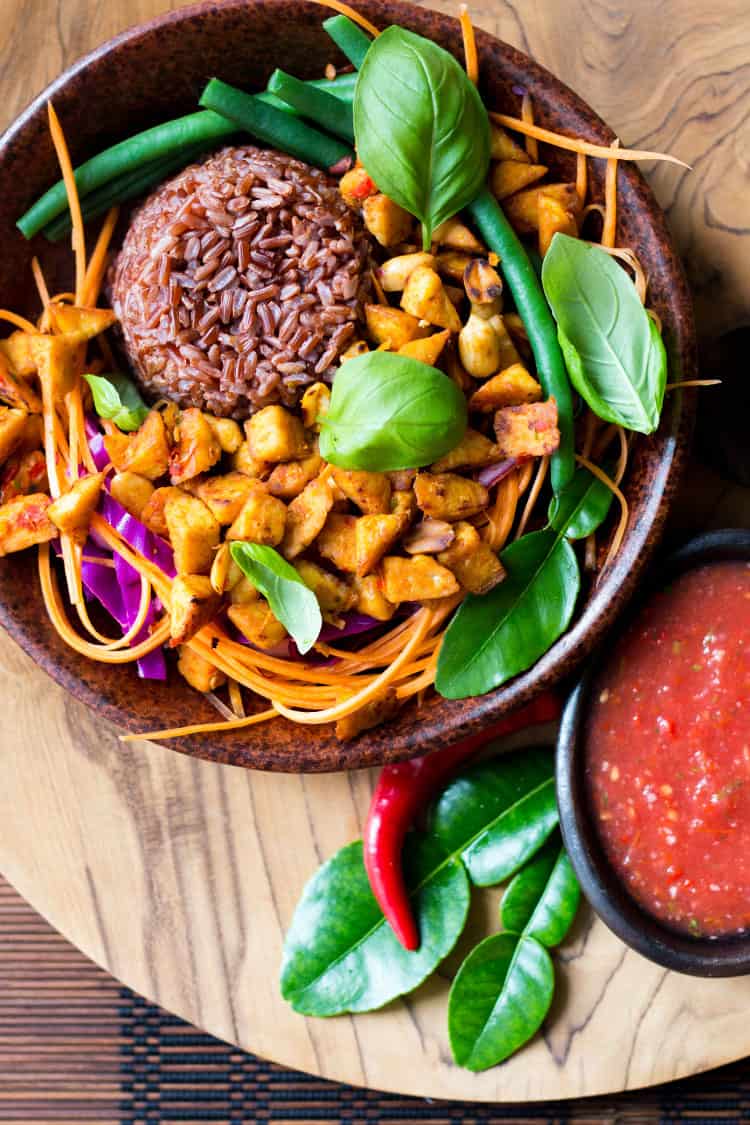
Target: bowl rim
605, 891
445, 723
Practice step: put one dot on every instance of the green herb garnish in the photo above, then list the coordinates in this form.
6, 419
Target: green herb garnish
116, 398
291, 601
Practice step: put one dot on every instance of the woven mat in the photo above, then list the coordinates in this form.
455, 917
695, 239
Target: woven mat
76, 1046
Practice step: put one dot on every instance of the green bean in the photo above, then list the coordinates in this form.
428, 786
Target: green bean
341, 87
127, 186
348, 38
282, 130
166, 139
316, 105
540, 325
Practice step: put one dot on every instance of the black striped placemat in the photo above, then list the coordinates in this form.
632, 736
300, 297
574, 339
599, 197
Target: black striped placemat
75, 1046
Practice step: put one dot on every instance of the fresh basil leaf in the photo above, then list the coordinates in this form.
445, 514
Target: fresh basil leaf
390, 411
290, 599
499, 999
340, 954
116, 398
498, 815
494, 636
590, 501
526, 887
421, 129
612, 348
557, 906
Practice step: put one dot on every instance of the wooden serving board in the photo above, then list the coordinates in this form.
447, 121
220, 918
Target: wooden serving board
180, 877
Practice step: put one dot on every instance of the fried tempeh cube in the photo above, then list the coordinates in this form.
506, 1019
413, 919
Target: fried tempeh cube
315, 402
193, 603
447, 496
527, 431
385, 220
199, 673
374, 536
227, 432
395, 272
503, 147
243, 461
145, 452
16, 349
289, 478
197, 449
152, 513
257, 623
371, 492
306, 516
23, 473
426, 350
393, 327
425, 297
334, 595
132, 491
262, 517
371, 599
275, 434
457, 236
472, 452
72, 511
472, 561
416, 579
510, 176
337, 541
510, 387
224, 496
12, 427
24, 522
523, 208
370, 715
193, 533
554, 218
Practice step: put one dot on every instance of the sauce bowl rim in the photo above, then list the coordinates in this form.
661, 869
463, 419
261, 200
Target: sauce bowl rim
706, 957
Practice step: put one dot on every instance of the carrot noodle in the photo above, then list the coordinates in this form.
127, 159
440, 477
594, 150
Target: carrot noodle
345, 10
693, 383
533, 496
624, 510
582, 177
575, 144
470, 44
622, 460
527, 116
54, 607
201, 728
19, 322
503, 512
524, 477
591, 425
41, 284
226, 712
609, 231
74, 204
626, 255
235, 698
98, 263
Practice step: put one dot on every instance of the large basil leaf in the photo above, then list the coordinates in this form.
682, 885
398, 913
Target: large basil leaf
497, 818
341, 955
495, 636
581, 507
291, 601
390, 411
526, 887
498, 1000
420, 126
612, 348
116, 398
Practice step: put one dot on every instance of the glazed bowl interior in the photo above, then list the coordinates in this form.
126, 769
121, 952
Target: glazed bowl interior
156, 72
709, 957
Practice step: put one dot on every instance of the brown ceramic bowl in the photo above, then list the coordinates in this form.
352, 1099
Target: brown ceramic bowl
157, 71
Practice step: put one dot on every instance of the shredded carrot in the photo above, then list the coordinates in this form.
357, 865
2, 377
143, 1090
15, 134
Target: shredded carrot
98, 262
575, 144
19, 322
503, 511
74, 204
693, 383
202, 728
609, 231
235, 698
624, 510
345, 10
533, 496
470, 44
527, 116
622, 460
41, 284
582, 177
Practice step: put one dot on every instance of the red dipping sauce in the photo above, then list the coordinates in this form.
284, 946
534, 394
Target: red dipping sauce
668, 753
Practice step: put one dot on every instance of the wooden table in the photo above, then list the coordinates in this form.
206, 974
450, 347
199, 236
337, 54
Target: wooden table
180, 877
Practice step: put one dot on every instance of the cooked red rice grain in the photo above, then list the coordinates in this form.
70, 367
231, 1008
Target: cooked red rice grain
240, 281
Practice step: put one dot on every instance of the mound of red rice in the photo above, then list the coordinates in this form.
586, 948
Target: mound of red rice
239, 282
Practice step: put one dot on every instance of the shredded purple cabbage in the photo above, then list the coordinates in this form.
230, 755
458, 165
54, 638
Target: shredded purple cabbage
493, 474
137, 535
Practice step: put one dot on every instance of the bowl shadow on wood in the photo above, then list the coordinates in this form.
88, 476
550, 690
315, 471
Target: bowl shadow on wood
157, 71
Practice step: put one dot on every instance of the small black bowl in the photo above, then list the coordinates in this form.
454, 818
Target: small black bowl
703, 957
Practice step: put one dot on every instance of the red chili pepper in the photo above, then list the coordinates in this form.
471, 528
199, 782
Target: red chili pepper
404, 789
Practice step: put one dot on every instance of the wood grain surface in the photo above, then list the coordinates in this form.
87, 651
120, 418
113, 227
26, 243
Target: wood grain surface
180, 877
